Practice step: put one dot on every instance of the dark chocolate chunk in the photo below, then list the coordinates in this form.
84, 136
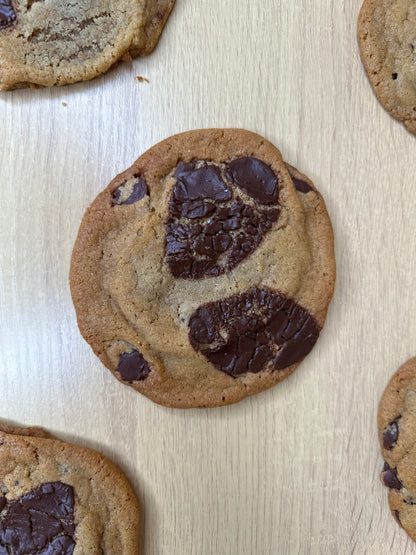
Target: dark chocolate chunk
197, 209
176, 247
298, 337
301, 185
221, 242
133, 366
210, 229
139, 191
391, 434
256, 178
7, 14
59, 546
253, 331
390, 477
204, 245
394, 76
200, 183
40, 522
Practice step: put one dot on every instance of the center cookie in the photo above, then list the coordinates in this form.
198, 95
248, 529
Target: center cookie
203, 273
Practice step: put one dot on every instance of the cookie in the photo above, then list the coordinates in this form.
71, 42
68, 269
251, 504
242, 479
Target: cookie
52, 42
58, 498
387, 37
203, 273
397, 434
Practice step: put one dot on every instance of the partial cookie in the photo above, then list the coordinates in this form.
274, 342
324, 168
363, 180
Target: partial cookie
397, 433
201, 275
52, 42
58, 498
387, 35
32, 431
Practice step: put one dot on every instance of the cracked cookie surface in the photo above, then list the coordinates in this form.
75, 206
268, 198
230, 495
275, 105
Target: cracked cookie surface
397, 434
54, 42
387, 36
60, 498
203, 273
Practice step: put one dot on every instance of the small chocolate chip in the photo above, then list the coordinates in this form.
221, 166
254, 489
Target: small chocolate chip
391, 434
390, 478
133, 366
7, 14
301, 185
252, 331
397, 515
394, 76
139, 191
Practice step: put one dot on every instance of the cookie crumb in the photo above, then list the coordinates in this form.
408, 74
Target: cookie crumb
64, 104
127, 57
141, 79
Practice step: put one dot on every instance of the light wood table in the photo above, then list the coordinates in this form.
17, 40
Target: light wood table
295, 469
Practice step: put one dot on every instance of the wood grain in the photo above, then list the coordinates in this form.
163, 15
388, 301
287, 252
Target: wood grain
293, 470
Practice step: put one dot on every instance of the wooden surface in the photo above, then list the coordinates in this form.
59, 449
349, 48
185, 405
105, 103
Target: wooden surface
295, 469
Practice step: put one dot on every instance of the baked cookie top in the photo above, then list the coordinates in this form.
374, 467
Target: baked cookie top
201, 275
54, 42
397, 434
387, 36
60, 498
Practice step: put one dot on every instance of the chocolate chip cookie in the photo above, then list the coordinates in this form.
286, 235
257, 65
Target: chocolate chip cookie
397, 433
387, 36
57, 498
53, 42
203, 273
